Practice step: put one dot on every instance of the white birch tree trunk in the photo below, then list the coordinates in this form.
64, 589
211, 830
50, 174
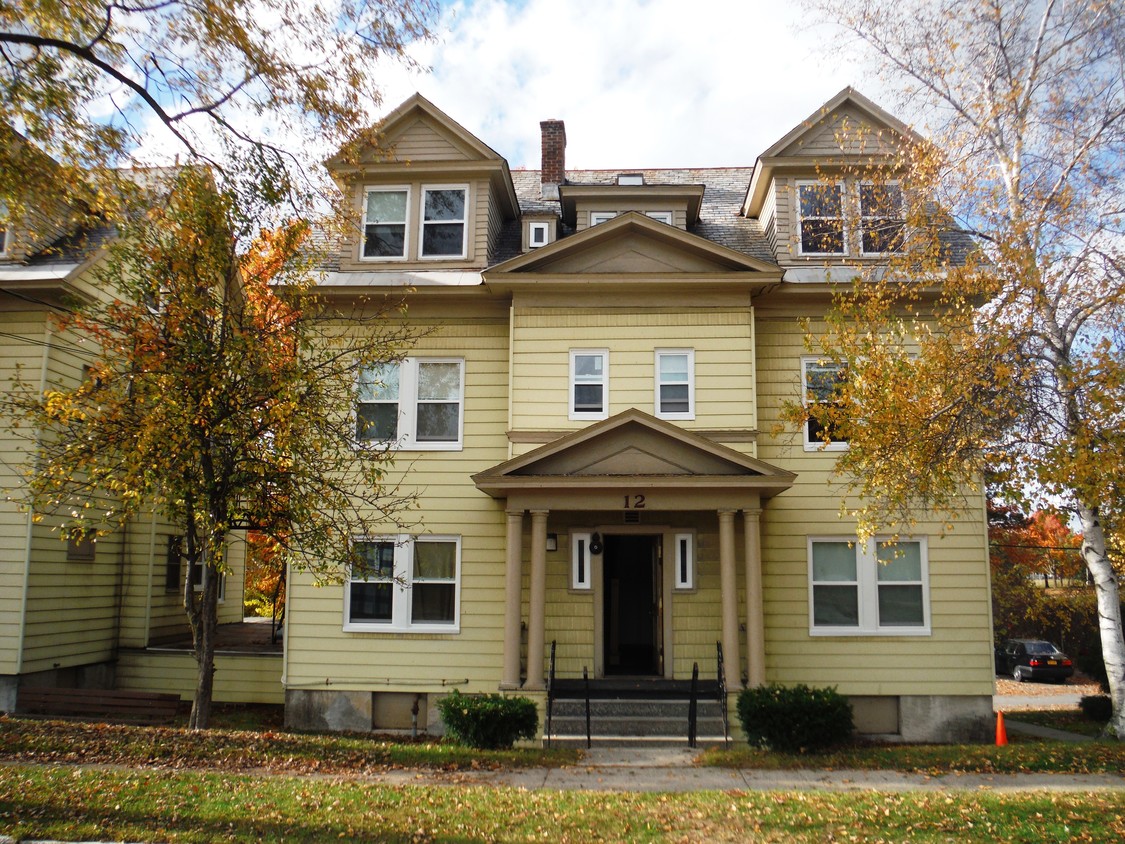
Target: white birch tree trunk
1108, 594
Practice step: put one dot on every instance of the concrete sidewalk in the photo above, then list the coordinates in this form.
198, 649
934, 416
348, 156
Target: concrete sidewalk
662, 769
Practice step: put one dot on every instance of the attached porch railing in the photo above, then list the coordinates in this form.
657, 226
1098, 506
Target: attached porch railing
552, 693
721, 693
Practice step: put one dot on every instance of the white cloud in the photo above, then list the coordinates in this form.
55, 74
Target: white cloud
639, 83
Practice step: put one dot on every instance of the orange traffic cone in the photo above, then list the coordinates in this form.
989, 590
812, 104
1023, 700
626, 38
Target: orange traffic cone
1001, 733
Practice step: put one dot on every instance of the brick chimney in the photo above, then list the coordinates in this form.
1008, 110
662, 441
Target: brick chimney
554, 158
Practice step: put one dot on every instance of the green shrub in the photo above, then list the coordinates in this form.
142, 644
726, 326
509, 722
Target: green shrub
794, 719
1096, 707
488, 722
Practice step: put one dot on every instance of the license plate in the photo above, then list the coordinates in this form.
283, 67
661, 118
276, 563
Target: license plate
1052, 662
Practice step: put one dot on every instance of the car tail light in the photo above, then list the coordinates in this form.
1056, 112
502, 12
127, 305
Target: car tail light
1034, 663
1067, 662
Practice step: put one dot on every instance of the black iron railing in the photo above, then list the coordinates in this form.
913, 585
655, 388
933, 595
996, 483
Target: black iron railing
586, 685
721, 685
693, 706
550, 692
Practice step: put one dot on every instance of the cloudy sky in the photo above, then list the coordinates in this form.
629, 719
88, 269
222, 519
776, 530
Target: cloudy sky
639, 83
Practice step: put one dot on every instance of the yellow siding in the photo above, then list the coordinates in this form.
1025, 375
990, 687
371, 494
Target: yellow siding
958, 567
721, 336
320, 654
420, 141
238, 678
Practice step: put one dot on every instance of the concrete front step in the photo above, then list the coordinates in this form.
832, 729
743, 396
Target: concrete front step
651, 722
571, 740
614, 708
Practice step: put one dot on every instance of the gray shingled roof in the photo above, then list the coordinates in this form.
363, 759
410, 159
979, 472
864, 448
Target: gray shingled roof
719, 220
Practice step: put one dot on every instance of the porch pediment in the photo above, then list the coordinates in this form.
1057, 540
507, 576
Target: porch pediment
633, 449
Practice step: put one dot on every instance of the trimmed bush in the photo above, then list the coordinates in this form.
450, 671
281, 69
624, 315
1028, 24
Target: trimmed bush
1096, 707
488, 722
794, 719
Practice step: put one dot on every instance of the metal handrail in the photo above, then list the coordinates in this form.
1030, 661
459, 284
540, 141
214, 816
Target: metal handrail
693, 706
586, 683
722, 692
551, 692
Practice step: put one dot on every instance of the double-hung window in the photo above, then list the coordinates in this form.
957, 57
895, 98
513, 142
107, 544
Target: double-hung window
601, 217
820, 380
589, 383
3, 228
880, 217
443, 221
384, 222
675, 383
660, 216
417, 403
404, 583
821, 223
877, 588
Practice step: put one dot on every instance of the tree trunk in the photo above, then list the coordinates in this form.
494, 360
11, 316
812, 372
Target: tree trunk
1108, 593
204, 622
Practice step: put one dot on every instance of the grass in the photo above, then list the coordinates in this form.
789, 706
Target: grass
191, 806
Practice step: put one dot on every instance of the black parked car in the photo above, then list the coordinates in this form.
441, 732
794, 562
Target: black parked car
1033, 659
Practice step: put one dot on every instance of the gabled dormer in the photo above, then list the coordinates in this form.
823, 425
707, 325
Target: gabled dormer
425, 192
831, 190
584, 206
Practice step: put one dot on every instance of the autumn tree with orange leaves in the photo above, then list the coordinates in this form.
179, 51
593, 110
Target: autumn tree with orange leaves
221, 395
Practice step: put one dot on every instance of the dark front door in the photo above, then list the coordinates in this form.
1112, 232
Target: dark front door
631, 586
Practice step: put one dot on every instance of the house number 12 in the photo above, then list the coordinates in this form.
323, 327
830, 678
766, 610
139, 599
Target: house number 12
634, 502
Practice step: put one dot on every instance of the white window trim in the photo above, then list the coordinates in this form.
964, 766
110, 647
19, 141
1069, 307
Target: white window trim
599, 217
422, 223
406, 240
684, 557
5, 229
401, 583
604, 412
660, 216
861, 217
868, 586
408, 408
657, 354
581, 578
840, 186
540, 227
198, 587
817, 444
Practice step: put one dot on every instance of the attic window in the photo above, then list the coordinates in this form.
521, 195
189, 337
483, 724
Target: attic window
537, 235
631, 179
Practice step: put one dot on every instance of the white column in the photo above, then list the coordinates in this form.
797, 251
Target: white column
537, 609
755, 615
513, 600
728, 582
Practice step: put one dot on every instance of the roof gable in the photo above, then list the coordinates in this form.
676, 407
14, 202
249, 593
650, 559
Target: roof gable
632, 243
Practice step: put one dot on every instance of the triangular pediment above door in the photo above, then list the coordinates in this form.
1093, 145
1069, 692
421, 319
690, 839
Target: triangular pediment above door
636, 447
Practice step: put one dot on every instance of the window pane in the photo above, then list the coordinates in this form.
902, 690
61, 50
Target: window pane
588, 367
443, 239
674, 398
435, 560
833, 561
386, 206
902, 561
376, 421
379, 383
588, 397
836, 606
880, 200
439, 381
375, 560
384, 240
438, 422
445, 205
821, 378
370, 602
882, 235
900, 606
822, 235
432, 603
673, 367
820, 201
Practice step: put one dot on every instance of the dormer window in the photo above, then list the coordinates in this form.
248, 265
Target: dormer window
3, 228
660, 216
538, 234
821, 206
443, 222
631, 179
384, 222
601, 217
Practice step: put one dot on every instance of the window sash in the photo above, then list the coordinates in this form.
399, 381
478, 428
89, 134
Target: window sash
407, 583
873, 589
881, 223
818, 378
444, 214
598, 217
675, 383
385, 211
589, 383
821, 218
415, 404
